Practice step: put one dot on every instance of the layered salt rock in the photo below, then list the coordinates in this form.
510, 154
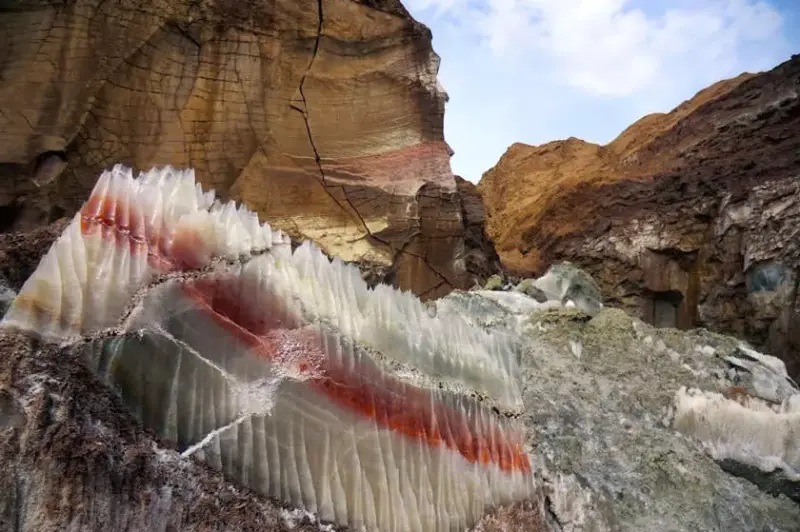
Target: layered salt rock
127, 233
280, 368
397, 324
749, 433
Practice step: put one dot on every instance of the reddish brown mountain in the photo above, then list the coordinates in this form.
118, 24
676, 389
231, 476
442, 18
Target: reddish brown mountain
690, 218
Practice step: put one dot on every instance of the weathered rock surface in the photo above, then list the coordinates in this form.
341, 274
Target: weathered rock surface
324, 116
276, 365
599, 404
21, 251
689, 218
481, 259
598, 396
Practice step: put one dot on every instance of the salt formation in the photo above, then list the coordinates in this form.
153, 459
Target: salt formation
128, 232
282, 369
568, 284
750, 433
753, 430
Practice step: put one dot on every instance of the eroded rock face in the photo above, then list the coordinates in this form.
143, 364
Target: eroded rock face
324, 116
686, 219
598, 397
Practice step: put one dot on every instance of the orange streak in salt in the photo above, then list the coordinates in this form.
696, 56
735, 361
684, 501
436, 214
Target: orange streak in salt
392, 403
118, 222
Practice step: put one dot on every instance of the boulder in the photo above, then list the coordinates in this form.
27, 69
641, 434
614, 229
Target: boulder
495, 282
686, 219
569, 285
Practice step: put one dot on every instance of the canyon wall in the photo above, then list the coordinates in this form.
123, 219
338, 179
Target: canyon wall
689, 218
323, 116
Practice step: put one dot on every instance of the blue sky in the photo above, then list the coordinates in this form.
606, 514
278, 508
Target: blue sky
533, 71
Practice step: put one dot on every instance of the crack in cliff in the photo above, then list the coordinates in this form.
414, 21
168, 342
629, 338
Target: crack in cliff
433, 288
181, 107
184, 32
323, 178
304, 113
27, 121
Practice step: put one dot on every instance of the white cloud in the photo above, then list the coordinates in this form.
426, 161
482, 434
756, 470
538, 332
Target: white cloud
613, 47
438, 7
539, 70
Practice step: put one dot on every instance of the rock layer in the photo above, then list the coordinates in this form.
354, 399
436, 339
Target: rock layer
688, 218
280, 367
325, 116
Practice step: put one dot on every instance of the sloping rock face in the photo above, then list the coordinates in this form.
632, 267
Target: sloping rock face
687, 219
325, 116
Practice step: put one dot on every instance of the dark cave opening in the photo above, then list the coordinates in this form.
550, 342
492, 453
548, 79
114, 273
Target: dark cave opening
8, 215
664, 308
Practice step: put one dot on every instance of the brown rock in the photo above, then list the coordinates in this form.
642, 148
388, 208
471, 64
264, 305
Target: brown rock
20, 252
688, 218
481, 258
323, 115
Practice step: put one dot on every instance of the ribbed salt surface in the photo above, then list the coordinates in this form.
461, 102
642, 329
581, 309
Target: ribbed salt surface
262, 361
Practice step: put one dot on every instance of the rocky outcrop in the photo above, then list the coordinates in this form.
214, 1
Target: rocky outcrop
325, 116
271, 363
605, 400
688, 218
599, 412
481, 259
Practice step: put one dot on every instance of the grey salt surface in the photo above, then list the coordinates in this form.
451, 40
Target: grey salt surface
598, 398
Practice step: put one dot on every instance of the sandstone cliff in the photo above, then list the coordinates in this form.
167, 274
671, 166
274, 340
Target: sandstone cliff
324, 116
688, 218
